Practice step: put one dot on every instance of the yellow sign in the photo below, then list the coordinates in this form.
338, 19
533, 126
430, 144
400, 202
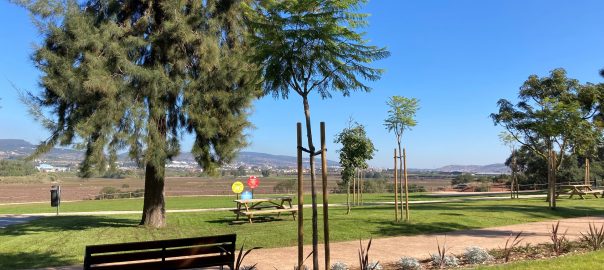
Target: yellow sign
237, 187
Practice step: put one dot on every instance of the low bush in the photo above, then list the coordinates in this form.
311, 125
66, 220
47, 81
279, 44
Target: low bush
408, 263
444, 261
339, 266
477, 255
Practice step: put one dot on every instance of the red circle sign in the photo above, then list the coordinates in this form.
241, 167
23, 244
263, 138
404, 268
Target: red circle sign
253, 182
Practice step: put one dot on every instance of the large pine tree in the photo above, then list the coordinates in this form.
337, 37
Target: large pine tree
138, 76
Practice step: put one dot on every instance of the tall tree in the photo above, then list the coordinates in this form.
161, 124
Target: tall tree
401, 117
312, 46
554, 114
356, 149
139, 75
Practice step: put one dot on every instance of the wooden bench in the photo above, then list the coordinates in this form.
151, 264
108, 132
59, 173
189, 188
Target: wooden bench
271, 211
164, 254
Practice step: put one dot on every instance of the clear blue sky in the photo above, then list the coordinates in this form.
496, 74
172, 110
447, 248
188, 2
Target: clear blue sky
457, 57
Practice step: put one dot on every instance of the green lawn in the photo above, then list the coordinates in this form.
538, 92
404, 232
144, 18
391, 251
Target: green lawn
591, 260
194, 202
54, 241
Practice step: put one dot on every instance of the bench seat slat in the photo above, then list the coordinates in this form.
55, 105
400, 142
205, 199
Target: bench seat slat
160, 244
171, 264
256, 212
158, 254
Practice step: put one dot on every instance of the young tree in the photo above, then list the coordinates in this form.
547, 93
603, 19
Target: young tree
401, 117
356, 149
508, 140
137, 76
553, 116
312, 46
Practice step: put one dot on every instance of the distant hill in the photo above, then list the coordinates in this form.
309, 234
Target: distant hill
496, 168
14, 148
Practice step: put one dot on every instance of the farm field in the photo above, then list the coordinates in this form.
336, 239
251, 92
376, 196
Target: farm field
53, 241
37, 188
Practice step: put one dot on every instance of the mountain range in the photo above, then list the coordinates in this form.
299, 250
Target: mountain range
16, 148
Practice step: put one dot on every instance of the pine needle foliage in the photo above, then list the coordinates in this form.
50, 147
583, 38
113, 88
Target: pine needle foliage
138, 76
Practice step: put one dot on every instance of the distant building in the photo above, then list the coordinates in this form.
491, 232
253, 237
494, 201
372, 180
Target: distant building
50, 168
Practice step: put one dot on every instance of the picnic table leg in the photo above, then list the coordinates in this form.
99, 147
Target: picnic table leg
238, 210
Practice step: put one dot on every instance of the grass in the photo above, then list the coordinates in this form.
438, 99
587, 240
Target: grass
55, 241
192, 202
591, 260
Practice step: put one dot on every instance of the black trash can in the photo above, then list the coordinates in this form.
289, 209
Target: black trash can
55, 196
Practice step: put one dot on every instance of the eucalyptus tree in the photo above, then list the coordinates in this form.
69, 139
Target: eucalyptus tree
310, 46
356, 150
401, 117
553, 118
137, 76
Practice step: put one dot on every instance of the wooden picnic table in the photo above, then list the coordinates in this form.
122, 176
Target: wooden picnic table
274, 205
577, 190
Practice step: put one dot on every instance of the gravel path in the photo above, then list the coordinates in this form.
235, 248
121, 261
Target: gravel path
390, 249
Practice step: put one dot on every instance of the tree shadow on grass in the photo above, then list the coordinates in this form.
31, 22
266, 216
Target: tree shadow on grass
67, 223
32, 259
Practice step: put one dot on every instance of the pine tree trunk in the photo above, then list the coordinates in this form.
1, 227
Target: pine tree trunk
154, 208
311, 148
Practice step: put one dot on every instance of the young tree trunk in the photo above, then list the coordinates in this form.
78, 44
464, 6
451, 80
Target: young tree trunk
154, 208
311, 148
325, 199
348, 196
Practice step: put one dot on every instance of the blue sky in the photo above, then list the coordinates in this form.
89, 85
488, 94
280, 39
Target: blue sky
457, 57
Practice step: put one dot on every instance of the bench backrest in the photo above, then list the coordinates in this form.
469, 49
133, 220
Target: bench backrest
164, 254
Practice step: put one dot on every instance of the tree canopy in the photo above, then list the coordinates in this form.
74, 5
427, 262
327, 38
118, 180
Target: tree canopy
553, 113
138, 76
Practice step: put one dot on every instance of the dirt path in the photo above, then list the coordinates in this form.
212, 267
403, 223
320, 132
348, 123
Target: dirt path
388, 250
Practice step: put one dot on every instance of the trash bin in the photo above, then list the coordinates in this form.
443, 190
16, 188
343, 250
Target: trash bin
55, 196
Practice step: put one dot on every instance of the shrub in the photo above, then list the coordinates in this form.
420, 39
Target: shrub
477, 255
125, 186
16, 168
594, 237
559, 242
409, 263
416, 188
444, 261
375, 266
339, 266
285, 186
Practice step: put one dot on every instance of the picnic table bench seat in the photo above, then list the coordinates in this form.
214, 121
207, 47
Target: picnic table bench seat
269, 211
182, 253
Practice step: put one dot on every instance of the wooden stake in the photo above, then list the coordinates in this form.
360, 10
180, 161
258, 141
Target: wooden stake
587, 171
354, 188
325, 203
406, 185
300, 200
395, 189
361, 185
